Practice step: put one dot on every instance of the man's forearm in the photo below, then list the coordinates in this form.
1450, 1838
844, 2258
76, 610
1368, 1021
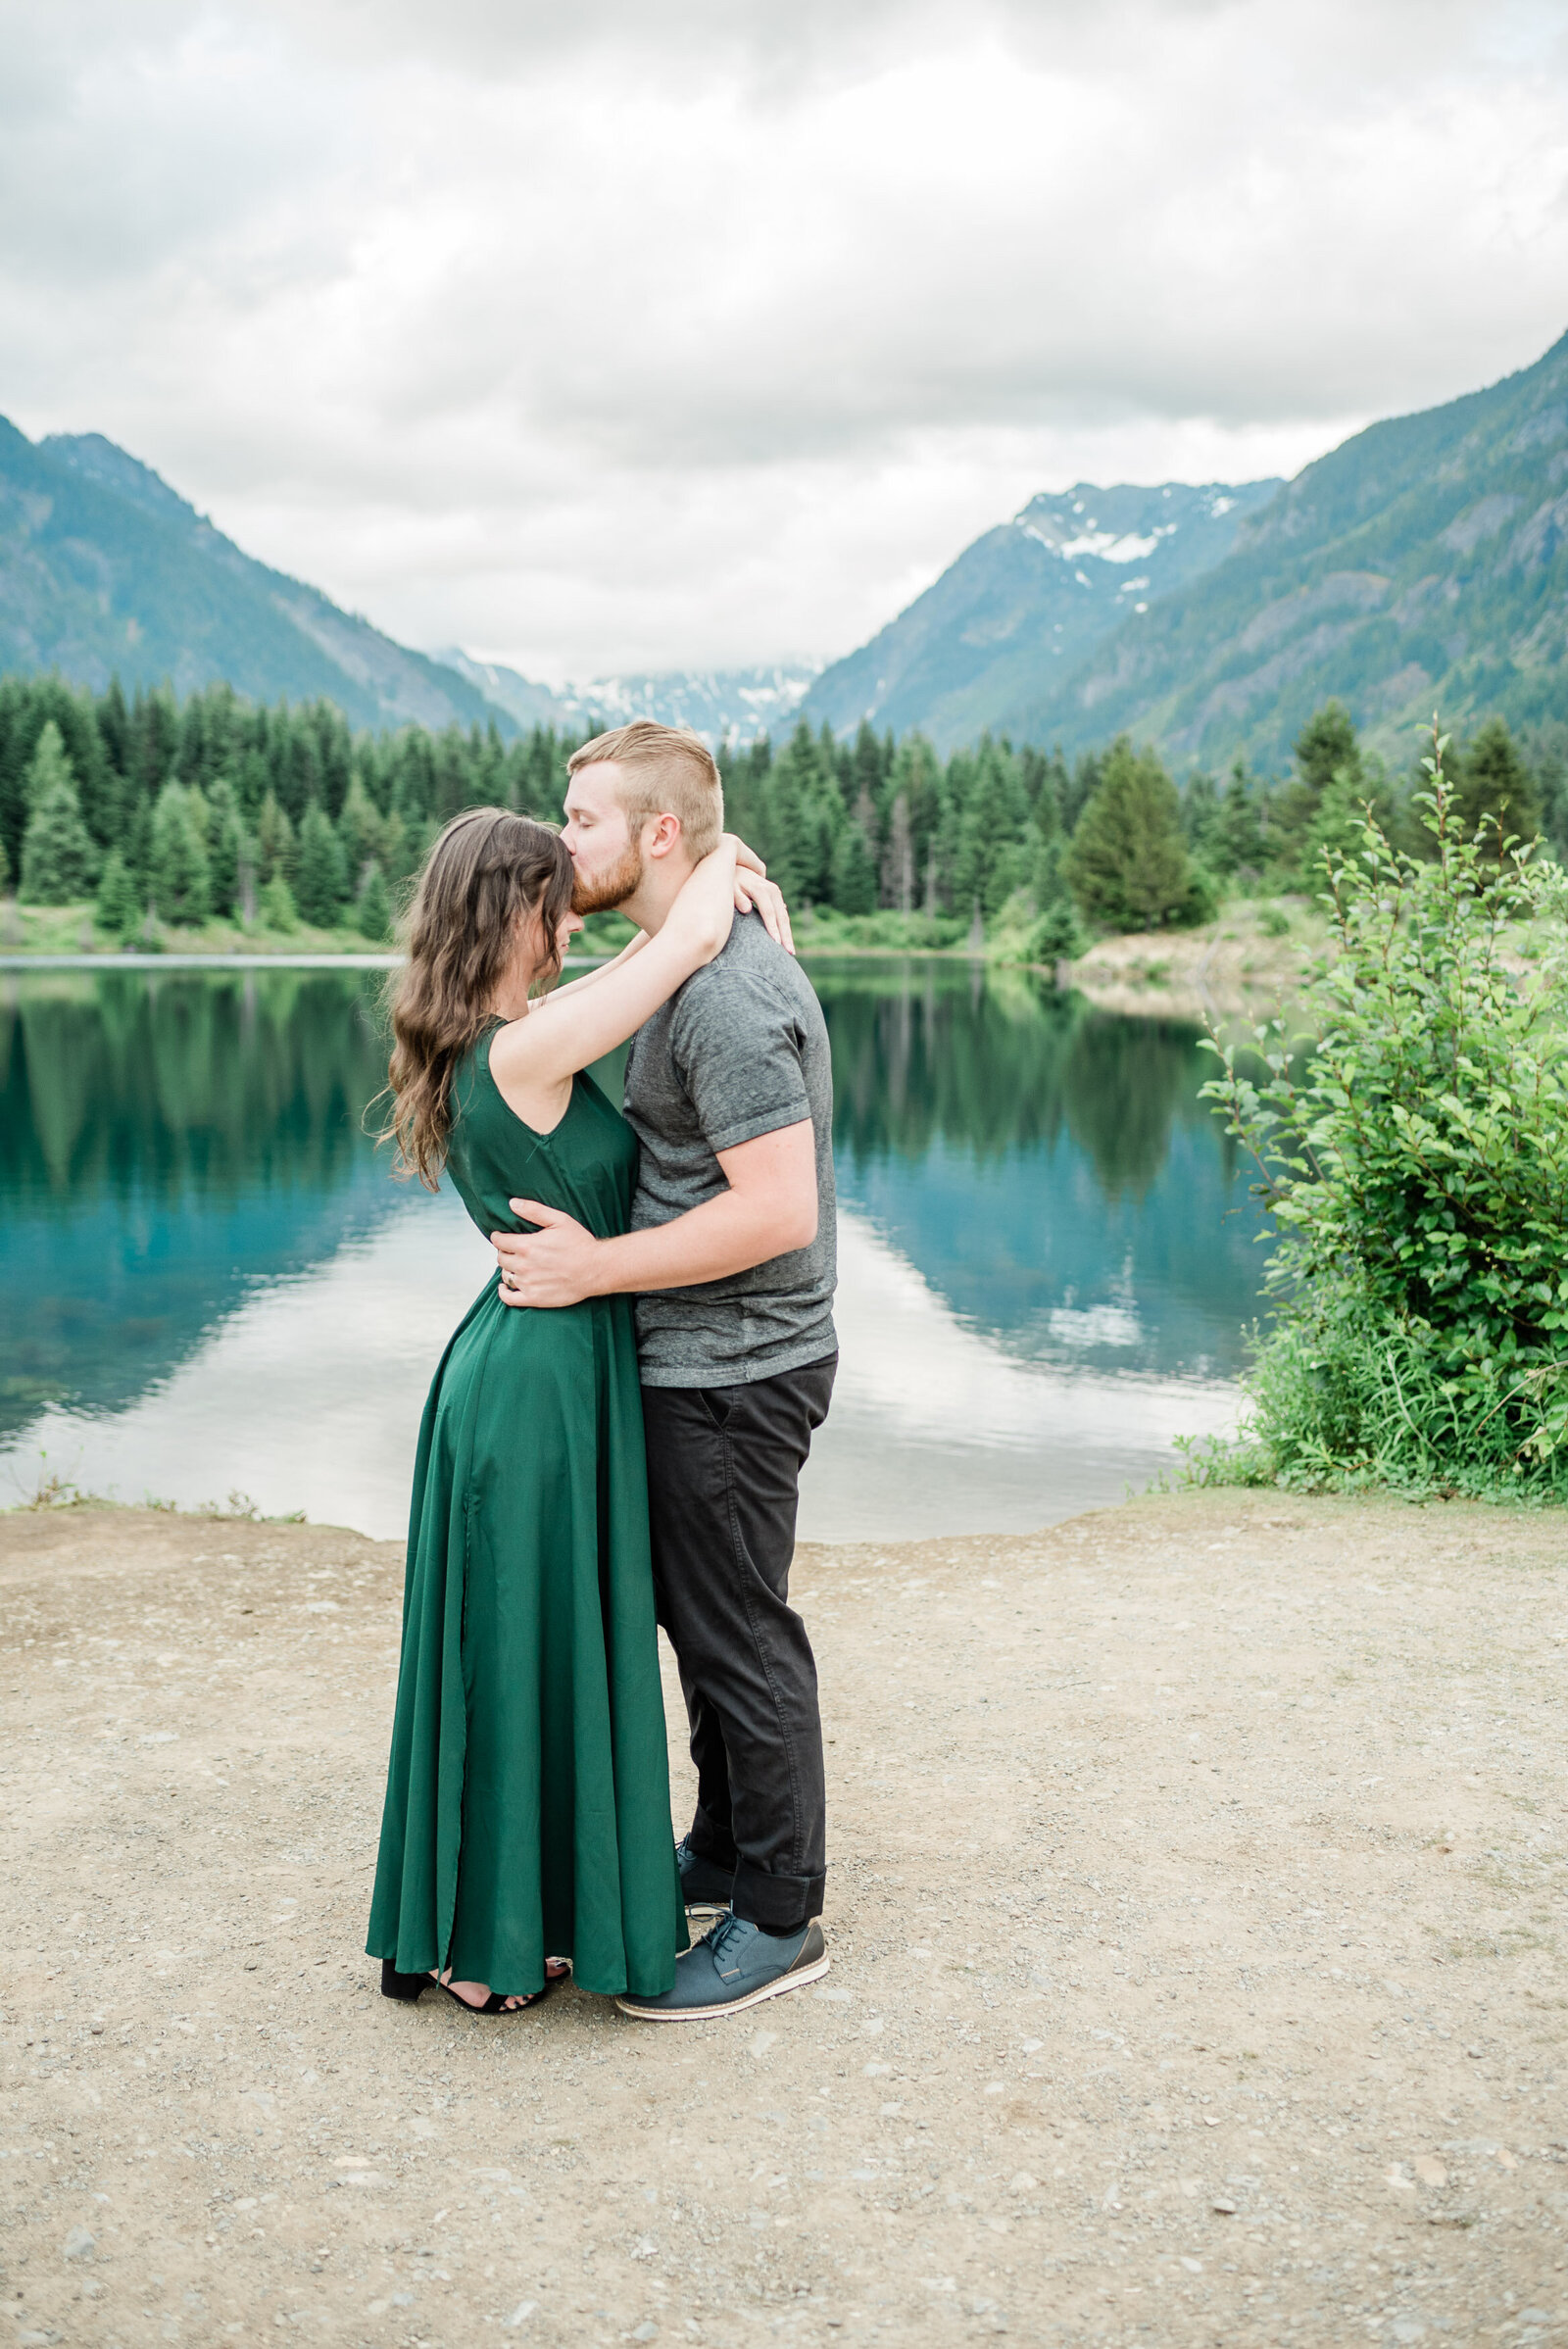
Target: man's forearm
727, 1234
769, 1209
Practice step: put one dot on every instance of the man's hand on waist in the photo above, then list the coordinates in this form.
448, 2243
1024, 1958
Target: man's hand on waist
552, 1267
769, 1208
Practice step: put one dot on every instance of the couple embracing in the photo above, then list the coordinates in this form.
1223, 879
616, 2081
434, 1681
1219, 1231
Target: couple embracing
616, 1428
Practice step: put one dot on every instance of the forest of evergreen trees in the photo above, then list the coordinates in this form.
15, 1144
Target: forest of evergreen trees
164, 814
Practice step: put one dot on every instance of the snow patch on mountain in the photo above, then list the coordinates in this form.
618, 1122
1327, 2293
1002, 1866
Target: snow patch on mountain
719, 704
1106, 545
737, 704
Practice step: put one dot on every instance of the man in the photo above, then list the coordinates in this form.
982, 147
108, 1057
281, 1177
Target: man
731, 1258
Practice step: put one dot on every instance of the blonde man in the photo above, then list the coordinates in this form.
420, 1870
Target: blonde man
732, 1257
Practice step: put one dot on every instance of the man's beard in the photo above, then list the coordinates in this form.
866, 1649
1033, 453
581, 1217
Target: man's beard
611, 888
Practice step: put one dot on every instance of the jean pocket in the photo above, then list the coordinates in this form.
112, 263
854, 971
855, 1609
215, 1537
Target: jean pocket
718, 1403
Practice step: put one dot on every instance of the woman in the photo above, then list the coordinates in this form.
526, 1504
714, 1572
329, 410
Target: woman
527, 1802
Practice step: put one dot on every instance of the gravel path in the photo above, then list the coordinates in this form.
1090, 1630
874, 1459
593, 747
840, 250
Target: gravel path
1195, 1903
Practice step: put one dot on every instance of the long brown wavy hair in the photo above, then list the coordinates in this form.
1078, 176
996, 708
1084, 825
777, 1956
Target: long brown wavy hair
460, 934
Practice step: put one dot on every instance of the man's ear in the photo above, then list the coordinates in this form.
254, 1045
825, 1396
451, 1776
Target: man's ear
661, 834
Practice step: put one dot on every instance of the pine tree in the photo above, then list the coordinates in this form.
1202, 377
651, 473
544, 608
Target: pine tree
1326, 744
1326, 753
373, 908
1238, 845
58, 859
275, 907
48, 767
990, 862
5, 871
853, 870
1079, 787
275, 839
1048, 882
1045, 781
1201, 813
361, 828
897, 857
1128, 865
318, 877
398, 855
118, 909
916, 780
1056, 937
229, 847
180, 874
788, 845
1493, 780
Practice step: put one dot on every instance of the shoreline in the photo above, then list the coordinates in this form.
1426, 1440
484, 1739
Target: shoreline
1227, 970
1196, 1969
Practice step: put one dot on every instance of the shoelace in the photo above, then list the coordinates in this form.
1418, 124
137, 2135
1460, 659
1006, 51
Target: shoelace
724, 1930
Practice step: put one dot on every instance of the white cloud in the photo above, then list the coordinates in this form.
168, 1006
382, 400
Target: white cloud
707, 333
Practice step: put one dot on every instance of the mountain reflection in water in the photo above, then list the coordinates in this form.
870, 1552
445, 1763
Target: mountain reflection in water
1048, 1247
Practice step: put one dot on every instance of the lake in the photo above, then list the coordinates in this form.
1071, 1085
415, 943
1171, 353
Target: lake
211, 1285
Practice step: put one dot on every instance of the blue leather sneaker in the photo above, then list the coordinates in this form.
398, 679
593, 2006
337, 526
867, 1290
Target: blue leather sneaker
703, 1885
734, 1966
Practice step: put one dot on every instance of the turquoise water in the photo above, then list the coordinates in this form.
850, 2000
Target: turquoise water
210, 1283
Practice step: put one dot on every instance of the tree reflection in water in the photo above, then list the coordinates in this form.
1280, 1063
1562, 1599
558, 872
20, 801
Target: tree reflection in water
1050, 1169
163, 1142
169, 1141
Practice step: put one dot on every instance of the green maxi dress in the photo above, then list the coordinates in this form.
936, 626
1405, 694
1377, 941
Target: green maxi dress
527, 1801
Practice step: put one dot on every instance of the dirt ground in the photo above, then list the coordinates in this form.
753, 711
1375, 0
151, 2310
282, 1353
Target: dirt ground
1195, 1911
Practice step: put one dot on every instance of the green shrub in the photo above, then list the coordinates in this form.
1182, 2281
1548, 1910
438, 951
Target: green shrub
822, 929
1415, 1164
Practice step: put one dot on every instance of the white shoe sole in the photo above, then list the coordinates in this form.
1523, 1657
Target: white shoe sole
794, 1981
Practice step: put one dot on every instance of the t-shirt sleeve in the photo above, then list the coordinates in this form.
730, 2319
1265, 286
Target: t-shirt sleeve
738, 1051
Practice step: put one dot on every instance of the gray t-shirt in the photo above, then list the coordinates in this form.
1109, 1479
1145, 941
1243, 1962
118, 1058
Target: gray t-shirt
740, 1049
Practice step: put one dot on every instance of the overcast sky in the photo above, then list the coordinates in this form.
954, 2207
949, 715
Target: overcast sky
602, 334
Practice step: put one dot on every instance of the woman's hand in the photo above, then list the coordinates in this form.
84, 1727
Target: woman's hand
755, 892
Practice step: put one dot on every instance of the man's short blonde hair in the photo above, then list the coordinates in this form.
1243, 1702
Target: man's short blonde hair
666, 770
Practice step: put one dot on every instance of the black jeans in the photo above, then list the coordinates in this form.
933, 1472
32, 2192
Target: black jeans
723, 1471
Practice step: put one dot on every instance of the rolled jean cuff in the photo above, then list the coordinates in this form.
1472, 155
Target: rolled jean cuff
777, 1903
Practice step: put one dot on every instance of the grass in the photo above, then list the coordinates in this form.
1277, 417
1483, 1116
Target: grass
53, 1489
72, 930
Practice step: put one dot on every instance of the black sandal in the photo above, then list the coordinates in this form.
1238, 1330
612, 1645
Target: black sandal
409, 1987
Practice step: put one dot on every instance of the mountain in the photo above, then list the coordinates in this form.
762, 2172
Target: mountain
738, 703
104, 569
530, 703
1421, 565
1032, 596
